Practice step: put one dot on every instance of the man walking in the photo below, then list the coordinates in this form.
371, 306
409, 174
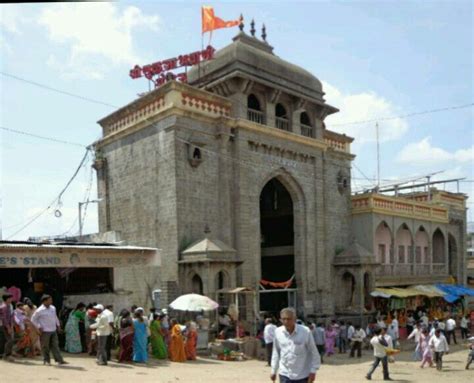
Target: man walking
103, 331
268, 337
451, 330
357, 339
110, 339
6, 327
342, 338
379, 344
47, 322
320, 339
440, 346
416, 335
295, 355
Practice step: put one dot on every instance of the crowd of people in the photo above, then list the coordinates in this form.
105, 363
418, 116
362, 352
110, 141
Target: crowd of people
29, 331
432, 338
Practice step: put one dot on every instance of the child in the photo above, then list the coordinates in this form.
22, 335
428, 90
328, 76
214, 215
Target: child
470, 357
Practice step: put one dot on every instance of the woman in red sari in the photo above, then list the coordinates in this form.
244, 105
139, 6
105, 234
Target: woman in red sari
191, 341
126, 337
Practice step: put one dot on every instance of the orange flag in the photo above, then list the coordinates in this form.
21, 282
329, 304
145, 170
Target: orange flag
211, 22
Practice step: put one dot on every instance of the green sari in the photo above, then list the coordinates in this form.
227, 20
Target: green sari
158, 346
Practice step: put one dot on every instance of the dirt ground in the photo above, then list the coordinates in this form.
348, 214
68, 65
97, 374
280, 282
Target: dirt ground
338, 368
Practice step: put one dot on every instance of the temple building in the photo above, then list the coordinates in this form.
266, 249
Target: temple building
234, 177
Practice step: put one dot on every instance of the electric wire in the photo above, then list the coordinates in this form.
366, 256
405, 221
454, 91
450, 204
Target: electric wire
55, 202
57, 90
52, 139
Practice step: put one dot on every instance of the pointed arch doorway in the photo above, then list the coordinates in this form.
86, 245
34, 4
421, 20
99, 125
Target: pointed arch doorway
277, 239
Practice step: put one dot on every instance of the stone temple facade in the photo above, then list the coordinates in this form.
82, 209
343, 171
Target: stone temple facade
234, 177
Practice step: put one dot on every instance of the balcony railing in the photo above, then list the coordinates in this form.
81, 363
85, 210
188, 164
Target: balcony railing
282, 123
439, 269
422, 269
410, 269
306, 130
255, 116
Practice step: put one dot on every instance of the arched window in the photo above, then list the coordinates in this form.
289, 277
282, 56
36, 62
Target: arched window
254, 110
305, 124
281, 117
253, 103
439, 255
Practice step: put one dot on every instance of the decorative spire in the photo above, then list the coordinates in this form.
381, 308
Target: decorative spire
241, 25
264, 33
252, 28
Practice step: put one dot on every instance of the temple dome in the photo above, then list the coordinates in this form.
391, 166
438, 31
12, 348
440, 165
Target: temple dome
248, 57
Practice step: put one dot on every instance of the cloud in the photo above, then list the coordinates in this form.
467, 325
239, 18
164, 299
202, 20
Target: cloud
423, 153
98, 34
10, 19
360, 107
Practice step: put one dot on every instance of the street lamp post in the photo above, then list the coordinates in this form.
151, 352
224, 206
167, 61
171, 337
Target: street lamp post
80, 212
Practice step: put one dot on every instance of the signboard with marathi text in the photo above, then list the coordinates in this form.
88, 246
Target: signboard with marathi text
161, 71
31, 259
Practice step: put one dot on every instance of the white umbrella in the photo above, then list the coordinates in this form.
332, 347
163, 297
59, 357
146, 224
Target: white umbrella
194, 302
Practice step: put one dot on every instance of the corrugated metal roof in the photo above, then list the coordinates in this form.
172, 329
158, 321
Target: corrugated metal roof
77, 246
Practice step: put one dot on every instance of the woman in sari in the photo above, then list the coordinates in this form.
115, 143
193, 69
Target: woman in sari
126, 337
191, 341
31, 329
140, 338
176, 350
331, 335
427, 355
158, 345
73, 336
23, 345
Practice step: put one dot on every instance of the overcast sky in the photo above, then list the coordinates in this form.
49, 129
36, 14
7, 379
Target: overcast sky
375, 58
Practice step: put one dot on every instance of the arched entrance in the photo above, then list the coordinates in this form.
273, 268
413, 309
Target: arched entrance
277, 244
347, 292
452, 254
196, 284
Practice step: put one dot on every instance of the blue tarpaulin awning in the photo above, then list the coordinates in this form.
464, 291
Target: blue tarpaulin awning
454, 292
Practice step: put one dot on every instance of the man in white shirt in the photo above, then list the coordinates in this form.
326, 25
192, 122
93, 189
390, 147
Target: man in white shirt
103, 331
416, 335
357, 339
295, 355
464, 327
440, 346
108, 312
268, 337
424, 320
47, 322
350, 331
451, 330
379, 344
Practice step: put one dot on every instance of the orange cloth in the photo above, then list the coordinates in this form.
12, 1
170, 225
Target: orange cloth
176, 350
211, 22
191, 343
